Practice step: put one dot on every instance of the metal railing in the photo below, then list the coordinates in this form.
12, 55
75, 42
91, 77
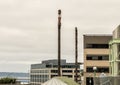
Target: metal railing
107, 80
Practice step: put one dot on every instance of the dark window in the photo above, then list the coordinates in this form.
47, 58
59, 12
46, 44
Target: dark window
77, 76
97, 46
94, 57
67, 71
55, 66
106, 57
63, 66
77, 71
97, 57
69, 66
99, 69
54, 71
89, 58
48, 66
89, 69
89, 81
103, 69
100, 57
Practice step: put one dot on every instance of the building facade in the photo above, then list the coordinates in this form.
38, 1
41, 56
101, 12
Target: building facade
40, 73
115, 53
96, 56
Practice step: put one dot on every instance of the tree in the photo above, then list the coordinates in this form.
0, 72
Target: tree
7, 80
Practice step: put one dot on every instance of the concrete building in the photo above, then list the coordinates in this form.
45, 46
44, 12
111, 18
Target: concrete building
96, 56
49, 69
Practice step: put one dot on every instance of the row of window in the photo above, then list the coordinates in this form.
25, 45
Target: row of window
64, 71
97, 57
38, 80
63, 66
44, 78
97, 46
39, 76
39, 71
99, 69
52, 71
70, 76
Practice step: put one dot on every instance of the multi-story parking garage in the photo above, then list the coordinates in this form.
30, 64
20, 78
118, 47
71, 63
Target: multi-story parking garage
49, 69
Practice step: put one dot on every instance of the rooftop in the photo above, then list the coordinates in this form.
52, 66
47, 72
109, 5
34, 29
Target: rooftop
53, 63
97, 34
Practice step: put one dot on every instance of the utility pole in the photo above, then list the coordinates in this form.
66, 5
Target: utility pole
76, 53
59, 42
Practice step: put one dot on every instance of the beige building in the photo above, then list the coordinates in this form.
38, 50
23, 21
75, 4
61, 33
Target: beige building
96, 56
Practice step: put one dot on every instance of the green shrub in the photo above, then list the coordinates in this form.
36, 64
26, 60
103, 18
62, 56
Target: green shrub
7, 80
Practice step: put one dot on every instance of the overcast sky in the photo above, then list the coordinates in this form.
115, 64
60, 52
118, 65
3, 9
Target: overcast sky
28, 29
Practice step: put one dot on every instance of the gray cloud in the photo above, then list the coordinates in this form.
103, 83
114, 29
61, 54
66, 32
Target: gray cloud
28, 28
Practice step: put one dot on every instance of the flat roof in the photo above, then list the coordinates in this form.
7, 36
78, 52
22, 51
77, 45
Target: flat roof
97, 34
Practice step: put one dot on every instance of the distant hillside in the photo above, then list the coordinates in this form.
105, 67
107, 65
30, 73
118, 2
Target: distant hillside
13, 74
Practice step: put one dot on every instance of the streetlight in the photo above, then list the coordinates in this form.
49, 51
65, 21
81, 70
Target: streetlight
94, 69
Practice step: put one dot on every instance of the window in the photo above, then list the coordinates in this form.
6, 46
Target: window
97, 46
67, 71
89, 69
77, 76
89, 81
77, 71
94, 57
48, 66
105, 57
99, 69
97, 57
89, 58
103, 69
54, 71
